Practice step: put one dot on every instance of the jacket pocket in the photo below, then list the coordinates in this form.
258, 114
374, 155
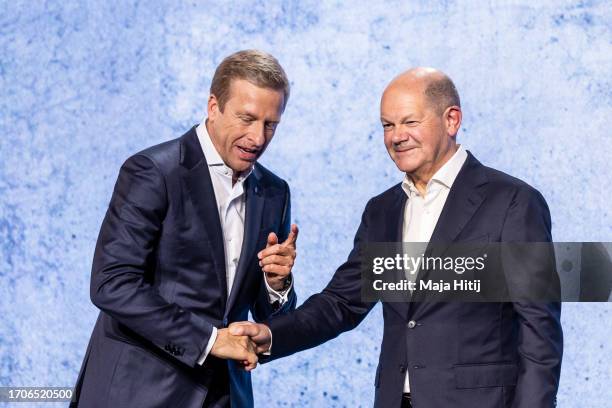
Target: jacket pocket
143, 379
485, 375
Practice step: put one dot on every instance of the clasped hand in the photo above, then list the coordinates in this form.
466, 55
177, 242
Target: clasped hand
242, 341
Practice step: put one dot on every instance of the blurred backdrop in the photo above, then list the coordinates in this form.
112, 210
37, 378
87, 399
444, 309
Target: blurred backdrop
85, 84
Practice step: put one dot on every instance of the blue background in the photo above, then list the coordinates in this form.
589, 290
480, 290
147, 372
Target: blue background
84, 85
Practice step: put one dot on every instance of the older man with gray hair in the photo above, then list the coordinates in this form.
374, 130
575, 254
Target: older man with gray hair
438, 354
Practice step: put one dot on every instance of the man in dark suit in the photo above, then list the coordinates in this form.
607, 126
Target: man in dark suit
177, 256
439, 354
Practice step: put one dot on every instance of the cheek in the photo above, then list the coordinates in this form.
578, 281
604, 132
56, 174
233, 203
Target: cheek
387, 140
235, 133
417, 136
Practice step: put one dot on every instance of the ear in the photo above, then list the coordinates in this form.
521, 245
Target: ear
452, 119
213, 107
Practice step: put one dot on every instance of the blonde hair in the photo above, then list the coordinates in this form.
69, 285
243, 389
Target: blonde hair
257, 67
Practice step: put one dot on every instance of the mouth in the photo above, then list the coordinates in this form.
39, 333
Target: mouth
247, 154
399, 149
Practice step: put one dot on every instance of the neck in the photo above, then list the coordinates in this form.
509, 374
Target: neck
211, 134
422, 178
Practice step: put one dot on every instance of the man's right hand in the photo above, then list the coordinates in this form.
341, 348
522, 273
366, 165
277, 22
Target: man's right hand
259, 333
239, 348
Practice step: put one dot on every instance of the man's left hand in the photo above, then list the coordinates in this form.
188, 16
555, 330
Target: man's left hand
276, 260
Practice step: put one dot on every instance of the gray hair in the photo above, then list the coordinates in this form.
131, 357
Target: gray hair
441, 93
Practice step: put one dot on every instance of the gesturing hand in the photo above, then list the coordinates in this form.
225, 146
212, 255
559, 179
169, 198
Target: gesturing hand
276, 260
258, 333
240, 348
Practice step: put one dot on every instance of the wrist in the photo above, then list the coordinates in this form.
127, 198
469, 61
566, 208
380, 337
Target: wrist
279, 285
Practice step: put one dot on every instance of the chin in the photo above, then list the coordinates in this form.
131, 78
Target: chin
406, 167
241, 166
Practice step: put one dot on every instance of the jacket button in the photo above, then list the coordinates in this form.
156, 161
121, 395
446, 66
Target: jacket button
402, 368
411, 324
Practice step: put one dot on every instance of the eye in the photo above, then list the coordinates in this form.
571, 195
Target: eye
247, 119
271, 125
387, 126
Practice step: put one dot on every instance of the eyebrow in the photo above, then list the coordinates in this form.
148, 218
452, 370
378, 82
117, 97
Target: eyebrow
405, 118
248, 115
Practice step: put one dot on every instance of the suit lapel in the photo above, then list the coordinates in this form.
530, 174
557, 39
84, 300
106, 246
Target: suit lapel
202, 195
393, 234
253, 213
395, 216
465, 197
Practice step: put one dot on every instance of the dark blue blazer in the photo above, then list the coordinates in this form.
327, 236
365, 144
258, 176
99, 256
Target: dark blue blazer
159, 280
464, 355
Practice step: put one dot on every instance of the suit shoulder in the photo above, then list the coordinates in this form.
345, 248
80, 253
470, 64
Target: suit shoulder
164, 155
505, 182
269, 178
390, 194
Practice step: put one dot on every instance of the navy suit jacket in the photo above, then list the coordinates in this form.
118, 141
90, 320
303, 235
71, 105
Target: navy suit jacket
468, 355
158, 277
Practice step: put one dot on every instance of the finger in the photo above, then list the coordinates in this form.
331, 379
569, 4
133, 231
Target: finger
245, 365
251, 346
285, 260
263, 348
276, 269
292, 238
252, 361
272, 239
243, 329
271, 250
278, 250
241, 323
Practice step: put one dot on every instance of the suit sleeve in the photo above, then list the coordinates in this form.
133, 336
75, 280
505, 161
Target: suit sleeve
121, 279
262, 309
322, 317
540, 335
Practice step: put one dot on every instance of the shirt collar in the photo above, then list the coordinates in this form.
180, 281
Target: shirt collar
213, 159
445, 176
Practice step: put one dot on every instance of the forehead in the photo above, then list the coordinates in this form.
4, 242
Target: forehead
402, 100
245, 95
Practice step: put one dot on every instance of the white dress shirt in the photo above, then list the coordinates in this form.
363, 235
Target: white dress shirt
231, 205
422, 212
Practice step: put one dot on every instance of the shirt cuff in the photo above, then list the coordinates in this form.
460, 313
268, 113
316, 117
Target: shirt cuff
211, 341
276, 296
267, 353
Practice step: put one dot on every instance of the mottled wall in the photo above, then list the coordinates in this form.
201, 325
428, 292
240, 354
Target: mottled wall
83, 85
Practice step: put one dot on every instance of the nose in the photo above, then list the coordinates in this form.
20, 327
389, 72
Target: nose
399, 135
258, 133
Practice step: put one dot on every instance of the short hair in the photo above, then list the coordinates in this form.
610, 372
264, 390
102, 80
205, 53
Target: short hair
441, 93
257, 67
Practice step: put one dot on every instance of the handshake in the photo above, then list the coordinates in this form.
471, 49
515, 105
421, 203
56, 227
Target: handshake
242, 341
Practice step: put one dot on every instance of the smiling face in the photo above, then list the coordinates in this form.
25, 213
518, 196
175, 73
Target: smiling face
418, 137
242, 131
